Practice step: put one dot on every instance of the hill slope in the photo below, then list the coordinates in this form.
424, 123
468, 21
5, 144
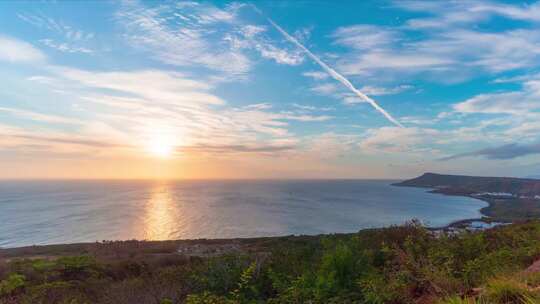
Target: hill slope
461, 184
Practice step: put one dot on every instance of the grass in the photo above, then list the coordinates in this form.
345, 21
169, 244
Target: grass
507, 291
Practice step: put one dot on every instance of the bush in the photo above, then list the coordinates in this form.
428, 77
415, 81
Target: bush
208, 298
12, 283
507, 291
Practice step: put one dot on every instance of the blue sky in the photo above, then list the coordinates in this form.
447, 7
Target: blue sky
228, 89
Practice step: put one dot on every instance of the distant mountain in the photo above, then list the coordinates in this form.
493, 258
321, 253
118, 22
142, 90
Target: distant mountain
461, 184
533, 176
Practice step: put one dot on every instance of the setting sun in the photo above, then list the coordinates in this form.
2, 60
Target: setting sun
161, 147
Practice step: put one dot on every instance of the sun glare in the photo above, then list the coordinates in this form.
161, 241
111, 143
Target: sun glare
161, 148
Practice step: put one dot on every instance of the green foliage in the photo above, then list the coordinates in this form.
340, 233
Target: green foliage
208, 298
246, 289
459, 300
12, 283
340, 269
77, 267
507, 291
43, 265
220, 275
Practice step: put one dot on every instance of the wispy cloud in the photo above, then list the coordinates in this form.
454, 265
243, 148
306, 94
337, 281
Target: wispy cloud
259, 148
325, 88
71, 140
454, 13
316, 75
520, 102
59, 27
399, 140
185, 34
61, 37
508, 151
349, 98
31, 115
128, 109
310, 108
15, 50
252, 37
443, 41
166, 87
65, 47
379, 91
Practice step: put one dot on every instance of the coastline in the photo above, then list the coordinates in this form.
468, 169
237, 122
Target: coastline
385, 205
464, 223
489, 216
203, 246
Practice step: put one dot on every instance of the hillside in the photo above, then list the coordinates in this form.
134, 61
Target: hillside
406, 264
467, 185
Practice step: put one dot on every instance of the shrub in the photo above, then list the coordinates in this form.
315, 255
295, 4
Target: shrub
506, 291
208, 298
12, 283
77, 267
459, 300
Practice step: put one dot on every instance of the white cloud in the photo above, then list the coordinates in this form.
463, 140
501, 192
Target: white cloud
378, 91
309, 108
417, 120
281, 56
516, 102
329, 145
398, 140
366, 37
316, 75
152, 85
325, 88
61, 37
185, 35
445, 47
14, 50
459, 13
133, 106
56, 26
49, 118
259, 106
497, 103
348, 98
65, 47
253, 37
303, 117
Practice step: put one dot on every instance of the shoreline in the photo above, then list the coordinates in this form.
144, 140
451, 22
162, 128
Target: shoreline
486, 212
463, 223
458, 224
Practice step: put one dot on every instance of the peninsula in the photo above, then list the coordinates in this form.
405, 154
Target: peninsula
510, 199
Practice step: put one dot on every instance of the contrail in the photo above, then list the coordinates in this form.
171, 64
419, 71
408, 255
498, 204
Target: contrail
333, 72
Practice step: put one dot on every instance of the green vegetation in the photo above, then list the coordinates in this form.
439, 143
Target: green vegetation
405, 264
515, 209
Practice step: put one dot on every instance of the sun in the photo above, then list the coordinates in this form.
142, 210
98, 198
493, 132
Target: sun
161, 147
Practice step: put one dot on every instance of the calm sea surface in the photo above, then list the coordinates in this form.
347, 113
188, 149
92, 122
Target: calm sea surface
48, 212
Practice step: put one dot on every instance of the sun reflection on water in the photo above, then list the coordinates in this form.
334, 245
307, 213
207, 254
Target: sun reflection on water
160, 214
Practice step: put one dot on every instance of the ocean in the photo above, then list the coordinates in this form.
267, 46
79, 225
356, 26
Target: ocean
51, 212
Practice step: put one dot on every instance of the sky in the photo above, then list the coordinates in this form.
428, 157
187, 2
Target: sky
268, 89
